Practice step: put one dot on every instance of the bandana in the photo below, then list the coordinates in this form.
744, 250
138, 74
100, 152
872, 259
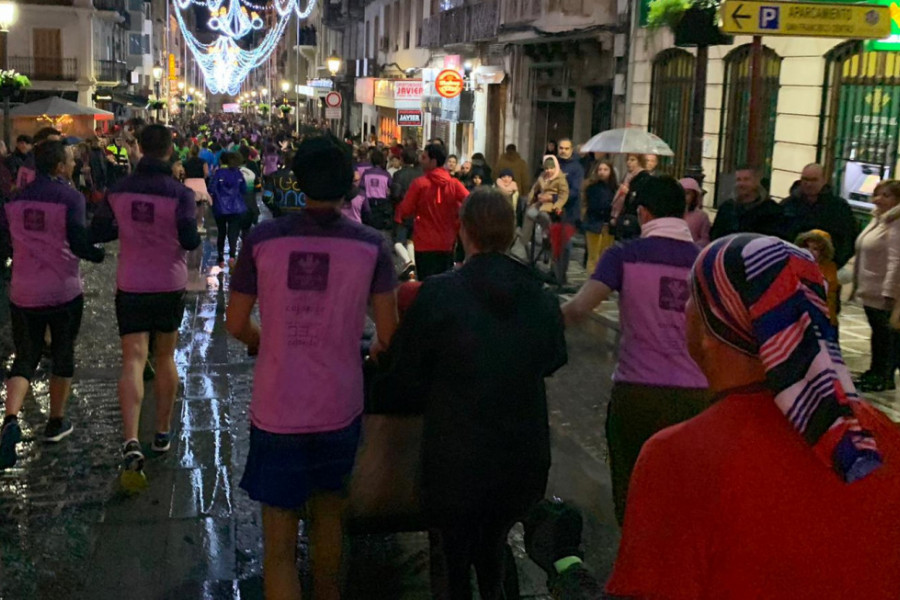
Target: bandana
766, 298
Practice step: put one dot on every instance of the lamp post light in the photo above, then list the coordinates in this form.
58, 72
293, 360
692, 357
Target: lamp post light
333, 63
157, 75
7, 19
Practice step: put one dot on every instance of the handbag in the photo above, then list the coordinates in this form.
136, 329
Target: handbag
385, 484
385, 491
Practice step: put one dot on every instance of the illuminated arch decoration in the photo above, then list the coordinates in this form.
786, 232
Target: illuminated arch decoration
226, 65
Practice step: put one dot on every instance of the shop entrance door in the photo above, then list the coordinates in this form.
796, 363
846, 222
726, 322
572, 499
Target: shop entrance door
496, 121
552, 121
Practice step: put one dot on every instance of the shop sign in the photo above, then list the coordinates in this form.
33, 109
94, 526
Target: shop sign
409, 118
806, 19
449, 83
321, 83
306, 90
173, 72
408, 90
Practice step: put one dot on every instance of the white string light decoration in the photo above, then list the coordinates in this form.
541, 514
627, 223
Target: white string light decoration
224, 64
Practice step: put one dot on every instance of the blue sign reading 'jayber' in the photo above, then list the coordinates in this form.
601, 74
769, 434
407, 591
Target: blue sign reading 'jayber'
769, 17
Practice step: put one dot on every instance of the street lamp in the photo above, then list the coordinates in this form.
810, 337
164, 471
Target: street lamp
285, 87
157, 75
7, 18
334, 64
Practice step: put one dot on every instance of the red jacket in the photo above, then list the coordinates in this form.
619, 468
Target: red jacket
434, 199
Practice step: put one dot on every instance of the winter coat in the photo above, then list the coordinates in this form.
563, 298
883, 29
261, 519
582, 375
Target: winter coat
829, 213
471, 354
434, 200
876, 271
763, 216
596, 206
227, 187
574, 178
554, 183
521, 172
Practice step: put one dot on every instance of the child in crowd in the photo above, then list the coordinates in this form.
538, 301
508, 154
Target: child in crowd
819, 244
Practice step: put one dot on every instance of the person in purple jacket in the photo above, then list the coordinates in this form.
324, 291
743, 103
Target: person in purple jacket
375, 185
154, 218
227, 188
43, 229
314, 273
656, 382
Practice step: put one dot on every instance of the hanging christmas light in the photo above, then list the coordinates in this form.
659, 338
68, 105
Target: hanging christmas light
224, 64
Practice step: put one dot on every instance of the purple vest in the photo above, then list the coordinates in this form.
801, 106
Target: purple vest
151, 259
45, 271
376, 184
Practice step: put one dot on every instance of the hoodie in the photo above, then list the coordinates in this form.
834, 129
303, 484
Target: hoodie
434, 201
471, 354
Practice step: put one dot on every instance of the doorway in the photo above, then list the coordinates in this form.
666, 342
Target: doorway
552, 121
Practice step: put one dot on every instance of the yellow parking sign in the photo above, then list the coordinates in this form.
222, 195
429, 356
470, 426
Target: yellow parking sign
806, 19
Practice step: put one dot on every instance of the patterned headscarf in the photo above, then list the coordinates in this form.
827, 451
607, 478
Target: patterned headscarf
766, 298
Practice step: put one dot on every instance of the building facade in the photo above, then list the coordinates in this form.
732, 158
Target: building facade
831, 101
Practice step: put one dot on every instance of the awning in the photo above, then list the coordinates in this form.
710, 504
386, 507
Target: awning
57, 107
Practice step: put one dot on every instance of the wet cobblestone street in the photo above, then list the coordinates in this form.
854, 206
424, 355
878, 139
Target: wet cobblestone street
66, 531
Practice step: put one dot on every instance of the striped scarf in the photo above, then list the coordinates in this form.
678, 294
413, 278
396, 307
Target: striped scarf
766, 298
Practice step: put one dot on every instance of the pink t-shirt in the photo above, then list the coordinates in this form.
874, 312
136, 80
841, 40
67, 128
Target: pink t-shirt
313, 273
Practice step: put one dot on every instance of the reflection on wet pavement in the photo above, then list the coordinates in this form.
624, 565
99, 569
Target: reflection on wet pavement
67, 532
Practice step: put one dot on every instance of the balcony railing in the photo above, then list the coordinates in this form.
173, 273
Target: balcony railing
111, 71
463, 25
53, 68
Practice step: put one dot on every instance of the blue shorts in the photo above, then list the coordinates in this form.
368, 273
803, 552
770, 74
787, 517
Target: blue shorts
284, 470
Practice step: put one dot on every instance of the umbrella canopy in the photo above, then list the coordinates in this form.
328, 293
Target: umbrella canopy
55, 106
629, 140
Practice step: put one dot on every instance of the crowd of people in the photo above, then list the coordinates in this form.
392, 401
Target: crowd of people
744, 464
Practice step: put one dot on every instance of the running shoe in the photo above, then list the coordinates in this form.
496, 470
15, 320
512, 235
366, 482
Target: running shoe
132, 456
162, 442
10, 435
57, 429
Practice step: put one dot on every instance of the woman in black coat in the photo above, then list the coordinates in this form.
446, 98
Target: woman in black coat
471, 355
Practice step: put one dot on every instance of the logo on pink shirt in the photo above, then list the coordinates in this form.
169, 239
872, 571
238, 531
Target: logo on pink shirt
33, 219
673, 294
142, 212
308, 271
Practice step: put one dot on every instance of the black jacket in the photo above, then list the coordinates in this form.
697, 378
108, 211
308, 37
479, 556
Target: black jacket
763, 216
829, 213
471, 354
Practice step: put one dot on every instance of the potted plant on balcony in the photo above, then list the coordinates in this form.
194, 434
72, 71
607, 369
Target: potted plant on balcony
694, 22
285, 110
12, 81
263, 109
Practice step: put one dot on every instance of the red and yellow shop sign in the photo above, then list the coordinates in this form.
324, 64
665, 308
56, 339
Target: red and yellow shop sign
449, 83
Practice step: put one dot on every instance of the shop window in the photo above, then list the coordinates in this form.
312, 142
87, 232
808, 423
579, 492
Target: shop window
859, 124
671, 94
733, 131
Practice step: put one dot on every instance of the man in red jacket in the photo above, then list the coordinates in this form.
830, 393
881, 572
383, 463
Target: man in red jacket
434, 199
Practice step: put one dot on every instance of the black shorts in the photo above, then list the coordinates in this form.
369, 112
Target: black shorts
29, 325
284, 470
140, 313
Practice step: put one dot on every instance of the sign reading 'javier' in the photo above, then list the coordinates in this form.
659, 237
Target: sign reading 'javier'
806, 19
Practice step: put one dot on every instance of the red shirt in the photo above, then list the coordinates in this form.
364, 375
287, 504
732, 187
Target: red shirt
734, 504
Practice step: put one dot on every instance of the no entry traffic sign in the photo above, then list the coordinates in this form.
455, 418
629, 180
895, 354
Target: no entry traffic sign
333, 99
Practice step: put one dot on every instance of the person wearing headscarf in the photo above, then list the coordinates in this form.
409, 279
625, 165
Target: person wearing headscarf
788, 485
548, 197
